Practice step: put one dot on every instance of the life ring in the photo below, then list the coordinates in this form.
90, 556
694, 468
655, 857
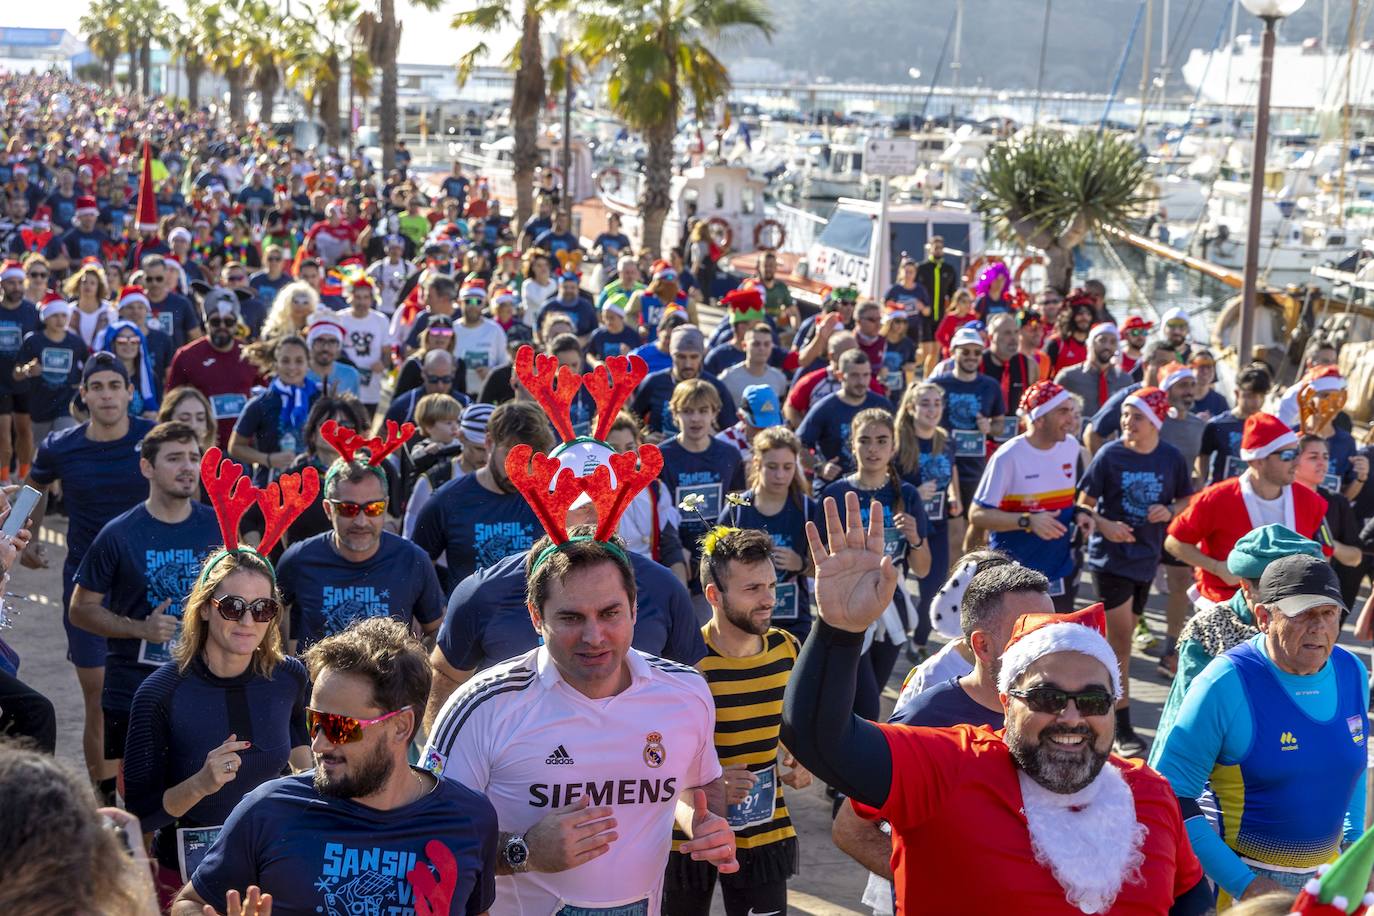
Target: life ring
1021, 268
779, 234
979, 262
721, 232
601, 180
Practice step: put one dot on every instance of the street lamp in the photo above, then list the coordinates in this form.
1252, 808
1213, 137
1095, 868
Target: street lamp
1270, 11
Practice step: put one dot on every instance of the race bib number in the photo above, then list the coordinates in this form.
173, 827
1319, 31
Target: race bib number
164, 322
785, 602
156, 654
56, 363
968, 443
935, 506
228, 406
1008, 429
10, 336
630, 908
192, 845
1234, 466
711, 492
476, 359
758, 807
1056, 588
1332, 482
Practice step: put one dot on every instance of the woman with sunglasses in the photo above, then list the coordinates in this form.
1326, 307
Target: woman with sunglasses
225, 716
291, 310
36, 276
270, 432
89, 295
437, 335
126, 342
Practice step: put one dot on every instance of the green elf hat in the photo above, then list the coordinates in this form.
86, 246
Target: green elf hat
745, 304
1341, 888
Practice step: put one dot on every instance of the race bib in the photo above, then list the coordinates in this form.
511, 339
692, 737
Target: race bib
758, 807
228, 406
1234, 466
10, 337
935, 506
164, 322
1332, 482
192, 845
56, 363
785, 602
1009, 428
156, 654
711, 491
968, 443
629, 908
1056, 588
476, 359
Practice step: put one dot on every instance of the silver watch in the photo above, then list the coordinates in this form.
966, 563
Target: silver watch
516, 854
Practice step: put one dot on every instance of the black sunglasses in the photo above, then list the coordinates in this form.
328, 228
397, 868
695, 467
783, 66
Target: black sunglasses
1091, 702
439, 379
232, 608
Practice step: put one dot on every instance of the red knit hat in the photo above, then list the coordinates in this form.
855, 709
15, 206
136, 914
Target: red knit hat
1263, 435
1152, 402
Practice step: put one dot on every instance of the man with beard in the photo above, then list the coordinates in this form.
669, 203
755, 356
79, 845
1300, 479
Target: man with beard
1070, 344
1037, 817
365, 829
356, 569
813, 335
1219, 451
687, 347
18, 319
477, 520
215, 364
477, 340
1096, 378
777, 296
133, 582
974, 407
334, 379
1004, 363
825, 429
1278, 726
745, 659
1174, 329
171, 311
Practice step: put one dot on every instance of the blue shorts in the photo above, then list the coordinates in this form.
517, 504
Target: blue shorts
84, 648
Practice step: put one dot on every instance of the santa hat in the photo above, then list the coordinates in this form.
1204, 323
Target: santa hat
1263, 435
504, 296
894, 311
1342, 887
53, 305
1036, 635
1102, 330
967, 337
1136, 323
180, 233
745, 304
85, 206
321, 329
1152, 402
1042, 397
1173, 373
1324, 378
42, 216
473, 289
133, 293
13, 271
146, 219
616, 304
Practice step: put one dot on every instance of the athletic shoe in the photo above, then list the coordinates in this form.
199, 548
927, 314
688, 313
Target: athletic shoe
1168, 666
916, 654
1129, 744
1142, 637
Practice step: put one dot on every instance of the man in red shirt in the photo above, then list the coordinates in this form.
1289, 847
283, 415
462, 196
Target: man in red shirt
1035, 818
215, 364
334, 239
1203, 534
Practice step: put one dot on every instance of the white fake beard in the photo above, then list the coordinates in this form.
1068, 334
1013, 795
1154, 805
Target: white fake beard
1081, 840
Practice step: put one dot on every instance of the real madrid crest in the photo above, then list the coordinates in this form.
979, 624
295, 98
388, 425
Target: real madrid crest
654, 754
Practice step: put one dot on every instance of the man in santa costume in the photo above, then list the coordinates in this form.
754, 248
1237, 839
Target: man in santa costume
1203, 534
1035, 818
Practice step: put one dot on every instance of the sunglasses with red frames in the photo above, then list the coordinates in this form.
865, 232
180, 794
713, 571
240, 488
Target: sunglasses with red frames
351, 510
341, 729
232, 608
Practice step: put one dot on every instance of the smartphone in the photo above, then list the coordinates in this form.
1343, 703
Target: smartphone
20, 510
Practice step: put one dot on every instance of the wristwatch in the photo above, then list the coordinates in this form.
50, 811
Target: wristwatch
516, 854
1023, 521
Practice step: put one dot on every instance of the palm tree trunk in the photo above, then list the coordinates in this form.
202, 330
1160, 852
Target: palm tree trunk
234, 76
109, 71
658, 175
329, 105
1059, 268
193, 71
145, 54
133, 69
267, 83
386, 103
526, 101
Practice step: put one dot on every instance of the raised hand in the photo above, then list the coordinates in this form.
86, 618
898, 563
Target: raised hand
855, 579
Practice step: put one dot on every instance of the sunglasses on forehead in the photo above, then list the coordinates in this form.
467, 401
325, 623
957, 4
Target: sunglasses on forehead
342, 729
1093, 701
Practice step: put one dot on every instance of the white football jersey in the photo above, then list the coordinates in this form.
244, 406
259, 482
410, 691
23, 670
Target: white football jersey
532, 743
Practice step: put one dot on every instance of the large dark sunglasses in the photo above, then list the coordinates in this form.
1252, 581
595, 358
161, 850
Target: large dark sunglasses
351, 510
232, 608
439, 379
341, 729
1091, 702
1288, 454
221, 322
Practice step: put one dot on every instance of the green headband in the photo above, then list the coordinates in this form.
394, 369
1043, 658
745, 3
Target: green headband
339, 465
224, 552
554, 548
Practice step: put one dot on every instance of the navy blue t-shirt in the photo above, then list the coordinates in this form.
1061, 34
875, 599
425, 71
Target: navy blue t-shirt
1212, 403
964, 403
1221, 440
939, 467
604, 343
895, 356
316, 854
1125, 484
554, 242
825, 427
138, 562
787, 528
175, 316
99, 480
894, 542
1107, 421
50, 394
711, 473
77, 244
327, 592
580, 311
945, 705
474, 527
722, 357
487, 620
15, 324
180, 716
265, 287
1342, 447
651, 399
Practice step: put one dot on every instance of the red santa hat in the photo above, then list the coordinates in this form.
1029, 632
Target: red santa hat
894, 311
133, 293
1036, 635
1173, 373
1152, 402
1263, 435
53, 305
42, 216
662, 270
473, 289
146, 219
1136, 323
1042, 397
321, 329
1324, 378
85, 206
505, 296
13, 271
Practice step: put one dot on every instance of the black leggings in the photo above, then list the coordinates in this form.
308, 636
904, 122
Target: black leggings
26, 713
752, 900
875, 667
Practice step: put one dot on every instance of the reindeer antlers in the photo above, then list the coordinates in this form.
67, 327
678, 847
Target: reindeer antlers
554, 388
625, 374
532, 473
633, 472
230, 492
283, 501
348, 443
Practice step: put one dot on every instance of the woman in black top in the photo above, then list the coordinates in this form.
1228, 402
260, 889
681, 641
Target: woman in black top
225, 716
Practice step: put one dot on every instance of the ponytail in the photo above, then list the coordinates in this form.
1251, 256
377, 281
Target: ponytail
894, 480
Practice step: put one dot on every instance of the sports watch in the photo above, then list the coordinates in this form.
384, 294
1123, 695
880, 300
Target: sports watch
516, 854
1023, 521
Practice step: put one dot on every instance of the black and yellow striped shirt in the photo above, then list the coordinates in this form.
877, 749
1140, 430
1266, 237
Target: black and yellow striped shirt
748, 695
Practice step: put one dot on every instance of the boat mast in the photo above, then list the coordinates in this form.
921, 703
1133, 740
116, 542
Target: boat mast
1351, 40
957, 62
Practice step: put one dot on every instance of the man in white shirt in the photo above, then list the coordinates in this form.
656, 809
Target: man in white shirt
589, 750
390, 274
366, 334
477, 340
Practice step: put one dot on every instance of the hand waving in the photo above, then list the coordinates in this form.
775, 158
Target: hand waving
855, 579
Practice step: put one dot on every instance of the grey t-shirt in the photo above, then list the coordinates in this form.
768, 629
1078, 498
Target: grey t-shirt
1084, 382
737, 378
1185, 434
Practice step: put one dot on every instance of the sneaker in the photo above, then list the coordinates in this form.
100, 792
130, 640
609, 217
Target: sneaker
1142, 637
1129, 744
1168, 666
916, 654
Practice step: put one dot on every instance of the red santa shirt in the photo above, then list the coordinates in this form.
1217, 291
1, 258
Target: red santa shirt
223, 376
962, 840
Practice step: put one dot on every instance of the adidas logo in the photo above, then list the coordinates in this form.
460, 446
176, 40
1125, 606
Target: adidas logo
559, 757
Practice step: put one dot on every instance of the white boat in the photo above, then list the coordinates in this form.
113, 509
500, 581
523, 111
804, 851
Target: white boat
829, 171
729, 197
495, 161
1306, 76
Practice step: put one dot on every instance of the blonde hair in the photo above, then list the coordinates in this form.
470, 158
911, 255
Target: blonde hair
71, 287
694, 392
768, 439
279, 322
172, 400
435, 408
908, 442
219, 566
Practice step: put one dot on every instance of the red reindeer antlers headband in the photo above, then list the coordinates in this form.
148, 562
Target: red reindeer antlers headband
348, 443
554, 386
231, 493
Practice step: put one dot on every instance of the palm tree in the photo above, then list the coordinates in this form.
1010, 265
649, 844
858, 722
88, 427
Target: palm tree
316, 65
527, 60
659, 56
103, 30
224, 52
187, 41
1049, 191
264, 54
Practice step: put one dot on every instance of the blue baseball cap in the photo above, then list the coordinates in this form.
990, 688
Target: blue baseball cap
761, 404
